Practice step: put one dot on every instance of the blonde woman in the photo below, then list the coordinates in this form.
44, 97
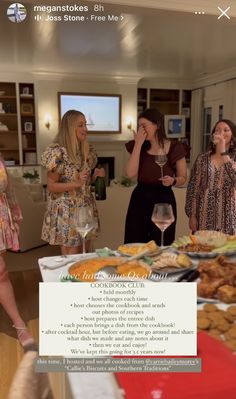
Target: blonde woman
71, 163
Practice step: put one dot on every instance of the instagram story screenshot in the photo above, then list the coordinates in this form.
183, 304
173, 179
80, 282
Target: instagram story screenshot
117, 199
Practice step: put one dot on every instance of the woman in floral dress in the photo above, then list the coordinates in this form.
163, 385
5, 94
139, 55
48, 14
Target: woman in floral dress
70, 162
10, 217
211, 192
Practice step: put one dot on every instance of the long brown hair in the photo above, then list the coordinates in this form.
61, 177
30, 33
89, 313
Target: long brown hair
67, 137
232, 126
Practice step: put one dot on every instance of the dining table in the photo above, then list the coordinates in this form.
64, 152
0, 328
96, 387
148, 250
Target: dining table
78, 385
104, 385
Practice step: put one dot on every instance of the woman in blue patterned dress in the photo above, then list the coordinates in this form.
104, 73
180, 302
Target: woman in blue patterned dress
71, 164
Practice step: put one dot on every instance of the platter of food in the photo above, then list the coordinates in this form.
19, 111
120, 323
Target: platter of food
206, 244
137, 248
86, 270
219, 321
170, 262
217, 280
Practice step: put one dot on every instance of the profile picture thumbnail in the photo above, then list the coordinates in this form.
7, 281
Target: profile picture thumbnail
16, 12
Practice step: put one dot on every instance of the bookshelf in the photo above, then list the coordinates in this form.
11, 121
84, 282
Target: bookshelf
18, 141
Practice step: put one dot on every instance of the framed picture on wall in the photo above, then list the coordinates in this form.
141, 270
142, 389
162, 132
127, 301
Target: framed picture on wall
26, 109
28, 126
25, 90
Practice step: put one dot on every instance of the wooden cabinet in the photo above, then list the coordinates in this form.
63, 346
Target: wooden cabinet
9, 138
168, 102
142, 100
17, 123
27, 121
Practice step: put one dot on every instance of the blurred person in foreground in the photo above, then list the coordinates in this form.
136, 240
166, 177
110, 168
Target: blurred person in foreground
10, 217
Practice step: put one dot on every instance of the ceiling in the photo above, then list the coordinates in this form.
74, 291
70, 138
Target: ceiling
144, 42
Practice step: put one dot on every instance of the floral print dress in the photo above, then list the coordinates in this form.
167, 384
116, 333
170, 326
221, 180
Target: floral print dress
10, 213
211, 194
59, 221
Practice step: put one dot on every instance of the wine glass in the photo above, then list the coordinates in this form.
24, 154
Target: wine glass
84, 222
162, 217
161, 160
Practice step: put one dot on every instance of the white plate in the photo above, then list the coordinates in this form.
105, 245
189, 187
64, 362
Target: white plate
220, 305
172, 270
208, 300
205, 255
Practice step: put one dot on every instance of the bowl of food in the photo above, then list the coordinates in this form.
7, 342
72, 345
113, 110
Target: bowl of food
208, 237
206, 244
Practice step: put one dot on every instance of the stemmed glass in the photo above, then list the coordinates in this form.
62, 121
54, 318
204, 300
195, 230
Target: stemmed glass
161, 160
162, 217
84, 222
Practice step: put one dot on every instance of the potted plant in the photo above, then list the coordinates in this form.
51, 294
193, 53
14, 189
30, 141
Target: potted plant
124, 181
30, 177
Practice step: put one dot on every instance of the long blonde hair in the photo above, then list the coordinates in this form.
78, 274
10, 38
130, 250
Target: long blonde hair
67, 137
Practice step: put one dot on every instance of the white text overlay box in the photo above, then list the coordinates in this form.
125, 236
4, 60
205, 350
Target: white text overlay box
117, 319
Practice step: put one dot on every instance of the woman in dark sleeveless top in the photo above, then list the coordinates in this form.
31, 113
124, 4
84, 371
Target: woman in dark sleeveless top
150, 140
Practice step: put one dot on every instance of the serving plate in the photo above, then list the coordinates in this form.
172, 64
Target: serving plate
205, 255
172, 269
223, 334
85, 270
203, 300
217, 281
220, 243
135, 248
126, 249
172, 263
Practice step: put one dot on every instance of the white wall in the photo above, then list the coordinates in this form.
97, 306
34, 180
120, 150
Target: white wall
47, 87
48, 103
221, 94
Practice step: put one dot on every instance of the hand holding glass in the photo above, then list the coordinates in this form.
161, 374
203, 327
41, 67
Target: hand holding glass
162, 217
84, 222
161, 160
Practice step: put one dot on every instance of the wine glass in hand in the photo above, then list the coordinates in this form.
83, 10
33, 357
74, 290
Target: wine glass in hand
161, 160
84, 222
162, 217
